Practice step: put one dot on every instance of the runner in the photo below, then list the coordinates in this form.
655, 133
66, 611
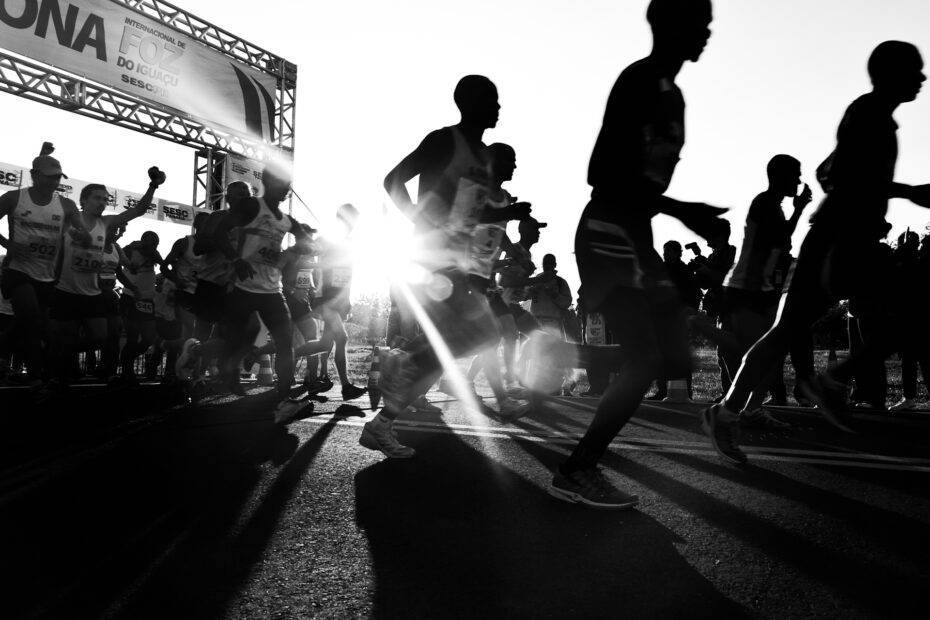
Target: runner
622, 276
185, 264
257, 281
38, 217
333, 303
111, 271
78, 302
137, 302
752, 288
452, 167
6, 319
839, 256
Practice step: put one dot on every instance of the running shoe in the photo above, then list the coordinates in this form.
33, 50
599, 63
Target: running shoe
318, 385
762, 419
905, 404
830, 397
722, 426
511, 410
590, 487
422, 405
351, 392
378, 434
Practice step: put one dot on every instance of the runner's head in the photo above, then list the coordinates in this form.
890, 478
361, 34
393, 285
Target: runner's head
476, 98
46, 170
149, 241
909, 241
784, 172
549, 262
897, 70
681, 28
347, 214
237, 191
503, 161
94, 199
276, 179
529, 230
722, 238
671, 252
199, 219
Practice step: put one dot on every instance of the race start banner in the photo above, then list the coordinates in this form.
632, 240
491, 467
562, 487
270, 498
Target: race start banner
109, 43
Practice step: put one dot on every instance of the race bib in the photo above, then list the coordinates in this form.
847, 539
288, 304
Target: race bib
144, 306
304, 279
595, 331
342, 277
40, 248
484, 249
85, 262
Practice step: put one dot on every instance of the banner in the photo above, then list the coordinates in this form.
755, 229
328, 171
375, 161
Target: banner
11, 177
176, 212
128, 200
239, 168
111, 44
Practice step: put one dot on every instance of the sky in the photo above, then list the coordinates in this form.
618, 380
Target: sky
374, 77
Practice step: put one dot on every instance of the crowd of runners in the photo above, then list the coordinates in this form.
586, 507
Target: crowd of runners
218, 287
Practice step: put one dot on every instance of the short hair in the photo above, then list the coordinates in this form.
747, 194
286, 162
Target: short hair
499, 149
549, 258
781, 164
665, 12
149, 234
887, 57
672, 244
347, 212
200, 218
90, 188
468, 87
243, 184
276, 170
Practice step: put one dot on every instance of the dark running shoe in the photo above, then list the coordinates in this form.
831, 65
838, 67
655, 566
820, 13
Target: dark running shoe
318, 385
762, 419
590, 487
722, 426
830, 396
351, 392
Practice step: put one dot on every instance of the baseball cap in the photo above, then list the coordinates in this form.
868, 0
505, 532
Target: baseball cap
45, 163
531, 223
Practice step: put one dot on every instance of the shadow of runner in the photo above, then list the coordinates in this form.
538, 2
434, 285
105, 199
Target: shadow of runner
455, 534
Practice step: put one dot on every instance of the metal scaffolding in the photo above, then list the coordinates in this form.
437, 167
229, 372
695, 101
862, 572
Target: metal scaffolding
44, 84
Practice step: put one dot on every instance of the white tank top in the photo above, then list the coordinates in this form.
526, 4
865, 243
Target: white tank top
80, 265
35, 232
109, 265
188, 265
261, 247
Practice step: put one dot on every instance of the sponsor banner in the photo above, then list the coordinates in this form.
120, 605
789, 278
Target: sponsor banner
128, 200
239, 168
176, 212
11, 177
109, 43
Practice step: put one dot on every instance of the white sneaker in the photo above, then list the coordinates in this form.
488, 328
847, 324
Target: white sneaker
905, 404
378, 434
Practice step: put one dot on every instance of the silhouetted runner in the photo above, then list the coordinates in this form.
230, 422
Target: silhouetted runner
839, 258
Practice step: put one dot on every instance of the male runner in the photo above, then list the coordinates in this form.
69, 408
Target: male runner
111, 271
622, 276
78, 302
452, 167
751, 289
38, 217
839, 256
185, 264
137, 302
257, 270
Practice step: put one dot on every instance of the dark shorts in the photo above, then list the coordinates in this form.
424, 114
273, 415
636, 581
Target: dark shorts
464, 317
271, 308
185, 300
168, 330
334, 299
210, 301
71, 307
110, 302
760, 302
134, 309
298, 305
13, 279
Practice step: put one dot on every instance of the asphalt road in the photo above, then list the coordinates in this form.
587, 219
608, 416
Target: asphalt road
123, 505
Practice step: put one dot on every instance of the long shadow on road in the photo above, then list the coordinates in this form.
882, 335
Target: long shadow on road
456, 534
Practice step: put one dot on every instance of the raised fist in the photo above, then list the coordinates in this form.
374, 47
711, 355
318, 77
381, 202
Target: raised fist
804, 198
156, 176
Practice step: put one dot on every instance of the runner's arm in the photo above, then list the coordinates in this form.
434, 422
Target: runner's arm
125, 281
74, 225
918, 194
156, 178
434, 148
702, 219
516, 211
